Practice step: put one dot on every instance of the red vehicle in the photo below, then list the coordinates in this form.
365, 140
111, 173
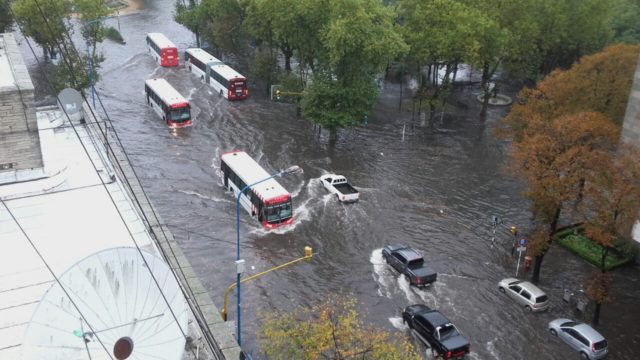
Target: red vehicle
224, 80
168, 103
268, 201
162, 49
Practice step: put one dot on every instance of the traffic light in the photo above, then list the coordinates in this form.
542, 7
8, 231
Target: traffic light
514, 230
308, 252
278, 94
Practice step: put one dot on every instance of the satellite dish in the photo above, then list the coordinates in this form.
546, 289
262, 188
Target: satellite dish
116, 294
70, 101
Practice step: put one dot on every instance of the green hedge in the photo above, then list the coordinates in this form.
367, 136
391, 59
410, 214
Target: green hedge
573, 240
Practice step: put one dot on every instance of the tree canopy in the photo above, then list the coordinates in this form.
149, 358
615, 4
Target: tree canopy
330, 330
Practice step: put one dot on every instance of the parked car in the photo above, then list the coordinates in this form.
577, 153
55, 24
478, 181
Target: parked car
409, 262
338, 185
581, 337
437, 331
525, 293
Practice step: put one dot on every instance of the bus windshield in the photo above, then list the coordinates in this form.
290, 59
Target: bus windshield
180, 114
279, 212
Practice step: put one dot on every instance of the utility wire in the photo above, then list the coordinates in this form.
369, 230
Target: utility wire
35, 248
197, 311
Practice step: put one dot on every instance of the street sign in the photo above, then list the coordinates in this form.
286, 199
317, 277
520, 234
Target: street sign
523, 242
521, 248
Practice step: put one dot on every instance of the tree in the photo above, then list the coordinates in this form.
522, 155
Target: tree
192, 17
611, 207
441, 34
330, 330
598, 83
44, 21
6, 18
92, 14
624, 22
224, 27
551, 158
357, 42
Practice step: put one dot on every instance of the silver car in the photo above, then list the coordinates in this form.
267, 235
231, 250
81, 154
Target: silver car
582, 337
525, 293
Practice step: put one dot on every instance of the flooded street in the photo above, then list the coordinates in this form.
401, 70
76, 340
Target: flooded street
435, 190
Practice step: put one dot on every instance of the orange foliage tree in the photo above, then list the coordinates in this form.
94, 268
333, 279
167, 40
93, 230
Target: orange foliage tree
611, 207
562, 128
551, 159
597, 83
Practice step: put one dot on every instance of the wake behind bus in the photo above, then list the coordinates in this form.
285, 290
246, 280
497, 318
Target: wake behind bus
163, 50
267, 201
168, 103
226, 81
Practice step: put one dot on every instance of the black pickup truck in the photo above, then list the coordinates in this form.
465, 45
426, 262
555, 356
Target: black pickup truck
410, 263
437, 331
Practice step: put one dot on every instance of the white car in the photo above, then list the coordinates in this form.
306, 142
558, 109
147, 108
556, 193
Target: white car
581, 337
525, 293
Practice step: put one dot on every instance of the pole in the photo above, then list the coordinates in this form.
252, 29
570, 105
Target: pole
518, 266
238, 272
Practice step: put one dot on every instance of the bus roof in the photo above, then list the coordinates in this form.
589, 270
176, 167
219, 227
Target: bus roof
250, 172
161, 40
203, 56
165, 91
227, 72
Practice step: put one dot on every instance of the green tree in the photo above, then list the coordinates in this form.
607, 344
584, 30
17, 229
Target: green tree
331, 330
441, 34
44, 21
6, 18
358, 40
192, 17
92, 14
624, 21
224, 28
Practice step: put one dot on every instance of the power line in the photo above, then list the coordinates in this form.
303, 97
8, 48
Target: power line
35, 248
67, 61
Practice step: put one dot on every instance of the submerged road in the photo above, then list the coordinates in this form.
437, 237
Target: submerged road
434, 189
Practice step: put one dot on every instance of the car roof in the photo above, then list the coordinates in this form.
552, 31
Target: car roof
435, 318
534, 290
589, 332
410, 254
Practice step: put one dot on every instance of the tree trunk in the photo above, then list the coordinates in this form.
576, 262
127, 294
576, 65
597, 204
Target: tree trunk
287, 51
485, 92
596, 314
535, 277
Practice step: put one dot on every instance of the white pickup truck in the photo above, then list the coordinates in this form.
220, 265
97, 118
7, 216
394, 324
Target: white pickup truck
338, 185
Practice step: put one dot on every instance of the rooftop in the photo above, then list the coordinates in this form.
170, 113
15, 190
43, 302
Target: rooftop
13, 71
82, 222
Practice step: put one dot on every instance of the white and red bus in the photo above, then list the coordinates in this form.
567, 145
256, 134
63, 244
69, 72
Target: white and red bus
163, 50
168, 103
268, 201
226, 81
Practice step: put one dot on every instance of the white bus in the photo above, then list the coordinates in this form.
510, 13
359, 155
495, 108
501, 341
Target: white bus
267, 201
168, 103
226, 81
163, 50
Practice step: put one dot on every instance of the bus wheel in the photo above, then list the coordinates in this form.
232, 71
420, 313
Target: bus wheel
202, 78
221, 93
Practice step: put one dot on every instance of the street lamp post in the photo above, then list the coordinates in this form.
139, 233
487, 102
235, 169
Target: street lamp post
239, 262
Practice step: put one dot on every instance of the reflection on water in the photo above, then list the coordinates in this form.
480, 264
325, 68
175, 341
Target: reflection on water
436, 191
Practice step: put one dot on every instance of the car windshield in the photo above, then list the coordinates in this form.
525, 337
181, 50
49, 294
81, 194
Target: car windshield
180, 114
541, 299
600, 345
569, 324
278, 212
